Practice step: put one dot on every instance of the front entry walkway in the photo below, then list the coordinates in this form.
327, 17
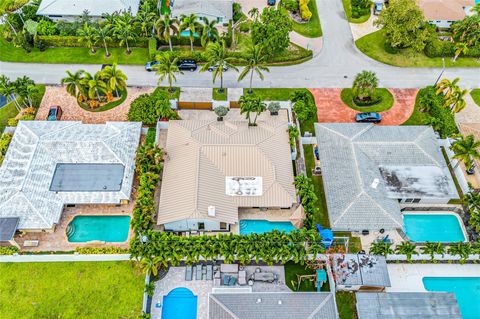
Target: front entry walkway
331, 109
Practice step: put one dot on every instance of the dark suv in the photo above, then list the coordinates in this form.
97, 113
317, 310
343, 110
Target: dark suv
187, 65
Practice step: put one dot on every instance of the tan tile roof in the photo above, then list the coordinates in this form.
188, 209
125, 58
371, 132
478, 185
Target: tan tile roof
200, 154
452, 10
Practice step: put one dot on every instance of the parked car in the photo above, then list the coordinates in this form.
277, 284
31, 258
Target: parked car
210, 69
149, 66
187, 65
55, 113
368, 117
271, 2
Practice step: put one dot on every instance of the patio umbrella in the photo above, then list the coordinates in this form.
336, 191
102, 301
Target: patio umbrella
297, 217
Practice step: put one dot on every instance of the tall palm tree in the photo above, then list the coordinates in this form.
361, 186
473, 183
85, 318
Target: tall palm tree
406, 248
254, 13
114, 78
364, 85
472, 201
463, 250
466, 149
381, 248
88, 35
95, 86
191, 24
251, 104
166, 28
255, 63
144, 20
150, 265
209, 32
104, 34
217, 61
456, 102
433, 249
167, 69
460, 48
124, 30
73, 81
446, 87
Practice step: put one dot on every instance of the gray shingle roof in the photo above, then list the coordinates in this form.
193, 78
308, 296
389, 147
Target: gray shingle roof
8, 227
210, 8
36, 149
274, 305
351, 156
407, 305
95, 8
361, 270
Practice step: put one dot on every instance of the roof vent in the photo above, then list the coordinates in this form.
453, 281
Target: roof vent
211, 211
259, 300
375, 183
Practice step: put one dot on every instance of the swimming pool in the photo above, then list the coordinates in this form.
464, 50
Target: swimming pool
179, 303
248, 226
186, 34
466, 290
433, 228
103, 228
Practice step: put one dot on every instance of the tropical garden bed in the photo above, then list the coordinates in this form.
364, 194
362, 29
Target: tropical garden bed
104, 104
347, 6
382, 101
475, 93
311, 28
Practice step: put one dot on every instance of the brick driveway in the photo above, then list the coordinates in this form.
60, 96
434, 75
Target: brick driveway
331, 109
57, 95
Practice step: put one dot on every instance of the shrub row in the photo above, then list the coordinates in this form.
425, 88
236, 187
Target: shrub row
5, 140
438, 48
431, 103
8, 250
101, 250
75, 41
306, 192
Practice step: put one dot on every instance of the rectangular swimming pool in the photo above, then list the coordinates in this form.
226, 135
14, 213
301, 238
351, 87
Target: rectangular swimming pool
103, 228
433, 228
250, 226
466, 290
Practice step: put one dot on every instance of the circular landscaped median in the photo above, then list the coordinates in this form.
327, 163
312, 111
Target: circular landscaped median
383, 101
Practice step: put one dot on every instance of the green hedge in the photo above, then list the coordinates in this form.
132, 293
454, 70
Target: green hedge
433, 106
73, 41
437, 48
101, 250
8, 250
152, 47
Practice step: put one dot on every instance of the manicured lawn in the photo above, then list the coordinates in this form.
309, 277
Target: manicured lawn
9, 53
292, 270
417, 117
385, 103
373, 45
347, 6
70, 290
475, 93
346, 305
354, 243
268, 94
107, 106
321, 217
175, 95
312, 28
7, 112
220, 96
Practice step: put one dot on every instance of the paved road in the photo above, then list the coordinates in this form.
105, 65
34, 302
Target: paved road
334, 67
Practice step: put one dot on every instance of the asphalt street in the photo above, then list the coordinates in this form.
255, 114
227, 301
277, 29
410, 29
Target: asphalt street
335, 66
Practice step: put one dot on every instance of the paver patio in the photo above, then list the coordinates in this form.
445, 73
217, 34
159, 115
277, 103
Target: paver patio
331, 109
57, 95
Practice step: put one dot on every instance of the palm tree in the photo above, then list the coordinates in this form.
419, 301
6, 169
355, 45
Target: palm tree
88, 34
217, 61
406, 248
364, 85
466, 150
150, 265
167, 69
95, 86
114, 78
104, 34
433, 249
191, 24
255, 63
254, 14
456, 102
145, 19
251, 104
461, 249
446, 87
124, 30
166, 28
472, 201
460, 48
209, 32
73, 82
381, 248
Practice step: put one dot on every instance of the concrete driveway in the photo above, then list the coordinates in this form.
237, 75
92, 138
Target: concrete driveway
248, 5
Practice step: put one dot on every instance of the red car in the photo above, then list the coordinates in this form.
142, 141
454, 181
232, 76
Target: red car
55, 113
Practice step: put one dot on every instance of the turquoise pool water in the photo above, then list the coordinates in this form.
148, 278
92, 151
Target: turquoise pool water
103, 228
179, 303
263, 226
433, 228
466, 290
186, 34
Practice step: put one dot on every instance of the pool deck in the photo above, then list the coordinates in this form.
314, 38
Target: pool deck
201, 288
408, 277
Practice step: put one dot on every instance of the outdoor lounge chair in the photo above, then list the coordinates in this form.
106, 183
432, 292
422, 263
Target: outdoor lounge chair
188, 273
209, 272
232, 281
198, 274
242, 277
264, 276
226, 280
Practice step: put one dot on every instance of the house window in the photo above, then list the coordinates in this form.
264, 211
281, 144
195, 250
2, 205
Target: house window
416, 200
219, 19
409, 200
201, 226
223, 226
